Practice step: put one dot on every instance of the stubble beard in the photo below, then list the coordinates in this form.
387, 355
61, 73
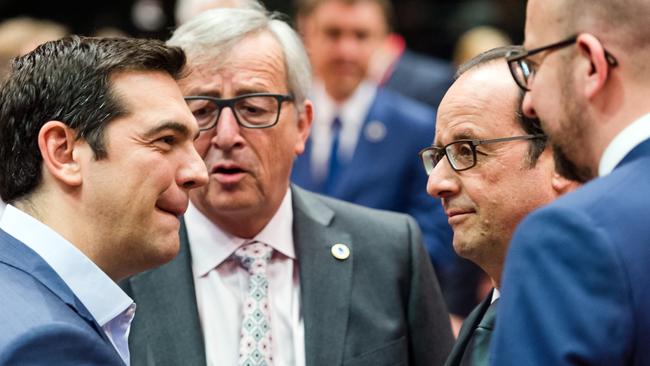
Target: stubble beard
569, 141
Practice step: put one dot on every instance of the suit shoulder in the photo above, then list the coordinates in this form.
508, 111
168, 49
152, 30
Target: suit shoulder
406, 110
352, 212
28, 303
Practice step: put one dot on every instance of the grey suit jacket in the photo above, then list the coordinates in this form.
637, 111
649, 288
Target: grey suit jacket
381, 306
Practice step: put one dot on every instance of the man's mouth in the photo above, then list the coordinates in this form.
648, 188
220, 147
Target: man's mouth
173, 209
228, 173
454, 216
227, 170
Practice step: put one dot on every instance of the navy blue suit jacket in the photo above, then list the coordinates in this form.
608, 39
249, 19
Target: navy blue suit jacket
41, 320
575, 287
423, 78
388, 174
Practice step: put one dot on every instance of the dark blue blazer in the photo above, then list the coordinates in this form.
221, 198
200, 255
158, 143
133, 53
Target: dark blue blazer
420, 77
577, 277
41, 321
388, 174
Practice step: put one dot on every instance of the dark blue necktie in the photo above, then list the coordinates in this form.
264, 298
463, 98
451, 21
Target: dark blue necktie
334, 162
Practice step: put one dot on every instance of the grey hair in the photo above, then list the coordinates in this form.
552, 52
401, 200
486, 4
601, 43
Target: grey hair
212, 34
188, 9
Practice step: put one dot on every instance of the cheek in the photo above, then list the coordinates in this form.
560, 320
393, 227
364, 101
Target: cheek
202, 144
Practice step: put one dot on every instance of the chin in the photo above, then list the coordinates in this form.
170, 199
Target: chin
162, 251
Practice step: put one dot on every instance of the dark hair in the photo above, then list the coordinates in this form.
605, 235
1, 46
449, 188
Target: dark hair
304, 8
531, 126
68, 80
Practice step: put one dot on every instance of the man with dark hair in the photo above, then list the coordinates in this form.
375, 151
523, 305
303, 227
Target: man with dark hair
575, 286
96, 161
490, 167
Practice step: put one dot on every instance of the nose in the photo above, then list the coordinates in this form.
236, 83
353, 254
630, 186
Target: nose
346, 47
527, 106
227, 134
193, 172
442, 182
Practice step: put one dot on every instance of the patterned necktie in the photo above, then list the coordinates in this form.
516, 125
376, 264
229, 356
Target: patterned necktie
334, 162
255, 340
477, 352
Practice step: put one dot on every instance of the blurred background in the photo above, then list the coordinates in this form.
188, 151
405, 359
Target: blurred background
429, 26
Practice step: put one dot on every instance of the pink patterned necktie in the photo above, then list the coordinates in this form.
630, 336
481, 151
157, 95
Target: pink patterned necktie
255, 341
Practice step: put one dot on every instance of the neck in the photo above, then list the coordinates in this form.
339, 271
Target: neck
67, 221
624, 104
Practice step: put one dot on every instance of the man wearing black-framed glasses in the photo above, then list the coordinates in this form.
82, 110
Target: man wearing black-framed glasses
575, 282
268, 273
490, 167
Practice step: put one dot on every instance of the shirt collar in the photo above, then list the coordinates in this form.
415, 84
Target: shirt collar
211, 246
496, 294
352, 111
103, 298
631, 136
355, 109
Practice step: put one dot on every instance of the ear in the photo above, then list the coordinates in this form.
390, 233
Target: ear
56, 141
562, 185
593, 52
304, 126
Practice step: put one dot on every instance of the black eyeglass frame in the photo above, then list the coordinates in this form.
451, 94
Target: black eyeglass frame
516, 58
473, 143
230, 103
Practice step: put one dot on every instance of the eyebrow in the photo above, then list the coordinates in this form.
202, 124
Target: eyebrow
170, 125
464, 134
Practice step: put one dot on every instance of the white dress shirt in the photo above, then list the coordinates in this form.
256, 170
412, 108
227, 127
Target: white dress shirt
221, 285
2, 207
631, 136
496, 294
352, 113
107, 303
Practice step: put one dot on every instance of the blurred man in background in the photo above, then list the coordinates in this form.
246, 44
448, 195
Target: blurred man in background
364, 138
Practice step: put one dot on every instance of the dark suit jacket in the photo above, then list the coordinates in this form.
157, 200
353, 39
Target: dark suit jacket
388, 174
421, 78
382, 306
471, 322
41, 321
575, 287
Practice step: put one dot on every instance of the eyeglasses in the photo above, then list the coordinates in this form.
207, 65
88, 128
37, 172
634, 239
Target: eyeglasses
462, 153
258, 110
523, 69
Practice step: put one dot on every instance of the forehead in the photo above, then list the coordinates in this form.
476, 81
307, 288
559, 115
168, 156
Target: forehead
545, 22
480, 104
360, 15
254, 64
134, 90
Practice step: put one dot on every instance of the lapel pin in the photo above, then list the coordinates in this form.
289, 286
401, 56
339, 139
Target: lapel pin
340, 251
375, 131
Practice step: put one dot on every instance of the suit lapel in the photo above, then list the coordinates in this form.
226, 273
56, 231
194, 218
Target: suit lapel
365, 152
325, 282
168, 293
19, 255
471, 322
